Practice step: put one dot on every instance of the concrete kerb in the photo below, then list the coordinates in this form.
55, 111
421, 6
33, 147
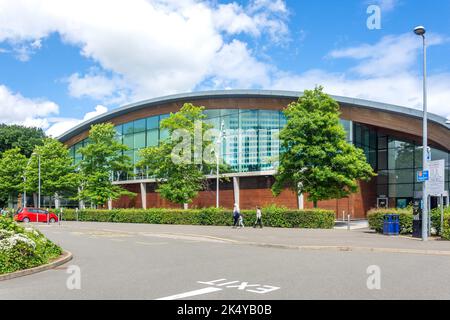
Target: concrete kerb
64, 258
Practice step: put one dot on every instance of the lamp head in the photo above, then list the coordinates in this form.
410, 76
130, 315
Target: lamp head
420, 30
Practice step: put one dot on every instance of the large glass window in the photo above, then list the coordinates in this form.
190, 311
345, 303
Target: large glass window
139, 125
153, 122
152, 137
128, 128
128, 140
139, 140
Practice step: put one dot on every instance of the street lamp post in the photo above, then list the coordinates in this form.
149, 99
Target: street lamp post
39, 185
218, 162
420, 31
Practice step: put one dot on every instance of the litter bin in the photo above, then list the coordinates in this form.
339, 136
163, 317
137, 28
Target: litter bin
391, 225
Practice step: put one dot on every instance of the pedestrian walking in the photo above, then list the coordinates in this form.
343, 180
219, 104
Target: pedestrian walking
258, 218
241, 220
236, 214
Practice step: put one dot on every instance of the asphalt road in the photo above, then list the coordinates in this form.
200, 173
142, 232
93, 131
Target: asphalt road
128, 265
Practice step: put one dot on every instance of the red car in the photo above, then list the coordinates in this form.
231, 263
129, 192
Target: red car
33, 215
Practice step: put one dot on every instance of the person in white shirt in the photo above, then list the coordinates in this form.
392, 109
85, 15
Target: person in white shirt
258, 218
241, 220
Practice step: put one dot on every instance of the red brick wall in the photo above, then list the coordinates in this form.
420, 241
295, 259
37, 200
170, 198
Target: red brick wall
356, 204
208, 199
127, 201
250, 198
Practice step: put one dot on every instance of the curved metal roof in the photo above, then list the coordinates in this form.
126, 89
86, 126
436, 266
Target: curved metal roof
239, 94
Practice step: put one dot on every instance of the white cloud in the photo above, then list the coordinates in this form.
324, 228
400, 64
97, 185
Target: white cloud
99, 109
61, 125
235, 66
388, 5
40, 113
385, 5
98, 86
14, 108
156, 47
392, 54
386, 71
258, 17
152, 48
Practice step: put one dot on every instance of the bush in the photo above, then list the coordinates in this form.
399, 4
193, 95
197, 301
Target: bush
376, 219
436, 222
23, 248
272, 217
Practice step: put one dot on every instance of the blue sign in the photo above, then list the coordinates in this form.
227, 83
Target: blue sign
423, 176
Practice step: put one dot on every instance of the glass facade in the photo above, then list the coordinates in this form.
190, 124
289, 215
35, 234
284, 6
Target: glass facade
398, 162
251, 144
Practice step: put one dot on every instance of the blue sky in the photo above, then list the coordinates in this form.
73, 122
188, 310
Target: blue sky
64, 61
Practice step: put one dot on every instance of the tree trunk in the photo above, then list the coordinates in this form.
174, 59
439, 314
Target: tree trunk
35, 200
315, 204
10, 201
56, 200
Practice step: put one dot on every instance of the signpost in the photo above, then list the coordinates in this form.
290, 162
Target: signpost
423, 176
436, 183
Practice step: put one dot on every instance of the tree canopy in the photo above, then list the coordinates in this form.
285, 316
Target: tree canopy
12, 169
316, 157
57, 172
179, 164
102, 158
24, 138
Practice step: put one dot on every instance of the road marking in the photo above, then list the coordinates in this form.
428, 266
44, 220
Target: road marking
259, 289
150, 243
191, 293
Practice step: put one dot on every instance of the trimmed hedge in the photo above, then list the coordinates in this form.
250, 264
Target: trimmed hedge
375, 218
272, 217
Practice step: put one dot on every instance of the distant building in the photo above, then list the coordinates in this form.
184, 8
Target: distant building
389, 135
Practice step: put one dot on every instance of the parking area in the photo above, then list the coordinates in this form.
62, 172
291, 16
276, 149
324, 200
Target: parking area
128, 261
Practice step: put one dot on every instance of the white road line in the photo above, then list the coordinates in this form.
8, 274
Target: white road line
150, 243
191, 293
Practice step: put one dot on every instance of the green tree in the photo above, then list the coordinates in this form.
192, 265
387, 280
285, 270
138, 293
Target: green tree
316, 157
102, 158
12, 168
24, 138
179, 164
58, 174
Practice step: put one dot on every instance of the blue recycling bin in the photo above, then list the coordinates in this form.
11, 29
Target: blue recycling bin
391, 224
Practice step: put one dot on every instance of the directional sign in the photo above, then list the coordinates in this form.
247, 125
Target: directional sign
436, 182
423, 176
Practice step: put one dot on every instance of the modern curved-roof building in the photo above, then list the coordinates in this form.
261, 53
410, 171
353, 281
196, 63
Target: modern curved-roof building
389, 135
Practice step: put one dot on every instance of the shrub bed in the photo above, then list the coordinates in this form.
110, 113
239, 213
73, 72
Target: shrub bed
376, 218
23, 247
272, 217
436, 222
